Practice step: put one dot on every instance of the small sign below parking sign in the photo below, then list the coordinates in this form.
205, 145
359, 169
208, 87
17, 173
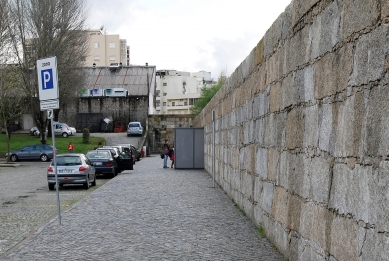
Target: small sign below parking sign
47, 78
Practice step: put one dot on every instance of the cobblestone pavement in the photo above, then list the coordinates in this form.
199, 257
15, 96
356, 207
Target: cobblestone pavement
26, 202
150, 213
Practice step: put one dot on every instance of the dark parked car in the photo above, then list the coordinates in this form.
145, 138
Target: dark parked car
136, 153
72, 168
32, 152
104, 162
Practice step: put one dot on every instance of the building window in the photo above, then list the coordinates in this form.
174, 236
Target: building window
96, 45
164, 94
164, 84
173, 104
111, 45
186, 103
158, 93
164, 103
97, 58
112, 58
157, 104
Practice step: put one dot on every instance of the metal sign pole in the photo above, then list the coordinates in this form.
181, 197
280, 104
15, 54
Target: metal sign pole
213, 147
55, 170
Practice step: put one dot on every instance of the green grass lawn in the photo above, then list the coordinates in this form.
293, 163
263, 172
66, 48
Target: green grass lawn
20, 140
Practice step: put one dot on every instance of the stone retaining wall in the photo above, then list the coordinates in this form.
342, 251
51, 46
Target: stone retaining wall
302, 131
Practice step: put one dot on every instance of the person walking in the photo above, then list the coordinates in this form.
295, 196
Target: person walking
70, 147
166, 151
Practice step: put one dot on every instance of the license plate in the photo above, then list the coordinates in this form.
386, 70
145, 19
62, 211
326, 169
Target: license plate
65, 171
99, 163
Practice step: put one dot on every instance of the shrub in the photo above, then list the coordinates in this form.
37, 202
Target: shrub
85, 136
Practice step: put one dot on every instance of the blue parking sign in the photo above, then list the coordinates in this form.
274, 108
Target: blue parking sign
47, 79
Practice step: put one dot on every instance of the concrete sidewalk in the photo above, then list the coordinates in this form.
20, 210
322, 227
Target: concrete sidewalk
150, 213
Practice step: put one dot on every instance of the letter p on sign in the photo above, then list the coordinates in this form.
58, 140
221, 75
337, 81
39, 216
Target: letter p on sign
47, 79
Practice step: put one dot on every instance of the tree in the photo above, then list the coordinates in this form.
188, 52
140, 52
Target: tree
206, 95
10, 92
44, 29
11, 99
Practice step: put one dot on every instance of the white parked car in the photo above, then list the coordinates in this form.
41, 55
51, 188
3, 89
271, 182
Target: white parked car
73, 130
59, 129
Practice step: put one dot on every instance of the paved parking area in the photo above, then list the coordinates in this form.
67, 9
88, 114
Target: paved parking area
150, 213
26, 202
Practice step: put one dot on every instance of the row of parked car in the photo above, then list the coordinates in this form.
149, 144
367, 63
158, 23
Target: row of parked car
77, 168
59, 129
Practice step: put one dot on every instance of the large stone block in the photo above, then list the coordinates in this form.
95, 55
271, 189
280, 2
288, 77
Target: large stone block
303, 249
325, 30
332, 72
259, 52
298, 50
290, 93
311, 128
294, 213
344, 239
275, 97
377, 125
261, 162
375, 246
369, 56
350, 123
280, 206
247, 185
320, 179
267, 197
326, 130
263, 103
384, 8
382, 197
294, 134
272, 68
353, 192
277, 234
259, 131
300, 8
273, 158
258, 187
357, 15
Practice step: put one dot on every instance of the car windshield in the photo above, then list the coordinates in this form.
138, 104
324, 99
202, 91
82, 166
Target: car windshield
134, 124
98, 155
68, 161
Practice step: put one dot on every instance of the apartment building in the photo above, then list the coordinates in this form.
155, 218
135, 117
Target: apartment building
106, 49
177, 91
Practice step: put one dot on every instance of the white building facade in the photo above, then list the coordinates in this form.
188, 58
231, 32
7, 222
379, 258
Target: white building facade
177, 91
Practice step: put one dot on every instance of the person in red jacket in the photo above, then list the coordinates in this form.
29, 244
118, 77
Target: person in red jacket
70, 147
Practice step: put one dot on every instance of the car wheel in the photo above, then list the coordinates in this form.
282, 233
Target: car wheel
94, 182
14, 158
65, 135
44, 157
128, 135
51, 186
86, 185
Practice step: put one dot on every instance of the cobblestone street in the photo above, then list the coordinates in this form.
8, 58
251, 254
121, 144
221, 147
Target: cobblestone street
150, 213
26, 202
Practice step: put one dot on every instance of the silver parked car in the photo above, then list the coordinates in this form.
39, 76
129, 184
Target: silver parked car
134, 128
72, 168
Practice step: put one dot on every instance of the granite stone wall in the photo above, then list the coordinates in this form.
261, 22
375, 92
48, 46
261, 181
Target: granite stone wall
119, 109
302, 131
161, 127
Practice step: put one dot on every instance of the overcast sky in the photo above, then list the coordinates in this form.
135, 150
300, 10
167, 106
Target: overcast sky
210, 35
